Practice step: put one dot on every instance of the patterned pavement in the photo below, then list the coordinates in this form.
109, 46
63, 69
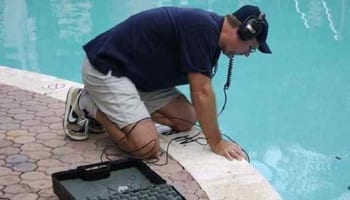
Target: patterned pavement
33, 146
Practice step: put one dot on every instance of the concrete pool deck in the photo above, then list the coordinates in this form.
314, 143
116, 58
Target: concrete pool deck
33, 146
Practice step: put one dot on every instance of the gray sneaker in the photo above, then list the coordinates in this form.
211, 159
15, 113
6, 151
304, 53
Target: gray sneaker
75, 124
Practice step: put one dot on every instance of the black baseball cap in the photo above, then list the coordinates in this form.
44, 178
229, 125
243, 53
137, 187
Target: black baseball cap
248, 11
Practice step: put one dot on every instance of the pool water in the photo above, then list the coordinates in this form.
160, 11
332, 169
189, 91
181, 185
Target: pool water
290, 110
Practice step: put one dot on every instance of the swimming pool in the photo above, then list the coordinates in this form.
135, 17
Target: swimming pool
289, 110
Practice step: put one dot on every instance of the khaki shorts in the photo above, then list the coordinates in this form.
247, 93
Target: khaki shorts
118, 98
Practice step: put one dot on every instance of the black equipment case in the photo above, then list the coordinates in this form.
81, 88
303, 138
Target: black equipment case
121, 179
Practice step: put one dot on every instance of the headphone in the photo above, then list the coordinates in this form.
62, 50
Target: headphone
251, 27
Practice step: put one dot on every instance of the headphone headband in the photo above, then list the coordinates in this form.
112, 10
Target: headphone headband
261, 16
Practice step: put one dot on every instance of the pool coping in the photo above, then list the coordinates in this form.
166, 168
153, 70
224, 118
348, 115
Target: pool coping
218, 177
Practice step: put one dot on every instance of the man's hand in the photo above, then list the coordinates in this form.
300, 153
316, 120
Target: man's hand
228, 149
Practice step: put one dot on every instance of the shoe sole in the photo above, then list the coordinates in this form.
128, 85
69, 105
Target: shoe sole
96, 129
66, 113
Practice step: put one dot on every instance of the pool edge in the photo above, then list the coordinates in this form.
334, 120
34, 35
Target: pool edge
219, 178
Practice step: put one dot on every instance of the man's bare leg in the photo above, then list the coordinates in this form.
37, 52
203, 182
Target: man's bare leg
140, 139
178, 115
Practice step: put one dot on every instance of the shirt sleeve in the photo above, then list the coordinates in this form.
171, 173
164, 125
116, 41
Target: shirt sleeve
197, 49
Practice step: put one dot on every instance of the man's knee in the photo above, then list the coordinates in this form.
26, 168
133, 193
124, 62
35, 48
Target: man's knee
146, 149
142, 139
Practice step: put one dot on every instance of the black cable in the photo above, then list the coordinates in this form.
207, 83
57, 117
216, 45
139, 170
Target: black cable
186, 139
227, 84
229, 74
214, 69
244, 151
226, 87
130, 152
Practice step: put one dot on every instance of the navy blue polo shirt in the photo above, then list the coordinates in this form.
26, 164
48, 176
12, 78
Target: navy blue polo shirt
156, 48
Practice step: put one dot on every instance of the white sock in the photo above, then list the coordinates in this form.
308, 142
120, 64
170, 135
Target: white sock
86, 103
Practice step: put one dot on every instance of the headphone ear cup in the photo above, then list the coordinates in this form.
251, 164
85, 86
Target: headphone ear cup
244, 33
249, 29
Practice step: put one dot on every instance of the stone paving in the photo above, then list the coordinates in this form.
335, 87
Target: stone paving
33, 146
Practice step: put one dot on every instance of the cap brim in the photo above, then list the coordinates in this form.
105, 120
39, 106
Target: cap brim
264, 48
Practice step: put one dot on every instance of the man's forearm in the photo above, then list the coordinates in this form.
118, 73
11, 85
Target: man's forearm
205, 106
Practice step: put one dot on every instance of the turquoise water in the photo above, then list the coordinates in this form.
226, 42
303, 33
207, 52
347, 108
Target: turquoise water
289, 110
